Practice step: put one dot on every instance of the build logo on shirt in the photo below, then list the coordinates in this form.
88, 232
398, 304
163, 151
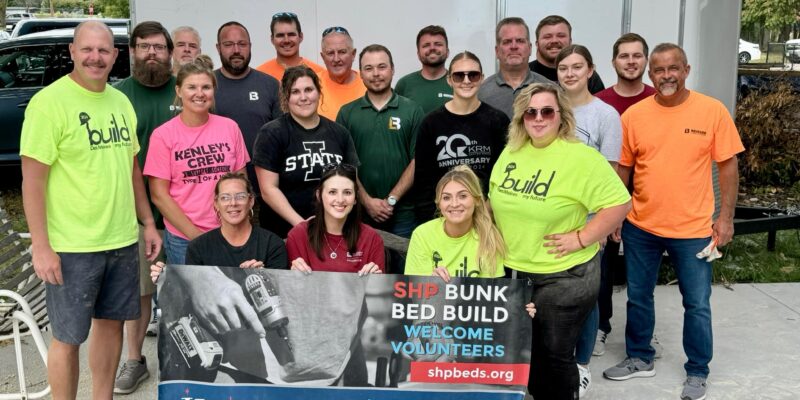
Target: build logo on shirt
204, 162
315, 156
462, 272
532, 187
116, 135
458, 149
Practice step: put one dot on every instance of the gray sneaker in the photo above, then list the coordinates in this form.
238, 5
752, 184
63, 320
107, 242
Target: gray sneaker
630, 368
131, 374
694, 388
600, 343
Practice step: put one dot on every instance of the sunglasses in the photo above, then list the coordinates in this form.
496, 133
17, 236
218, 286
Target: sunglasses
547, 113
336, 166
284, 15
335, 29
459, 76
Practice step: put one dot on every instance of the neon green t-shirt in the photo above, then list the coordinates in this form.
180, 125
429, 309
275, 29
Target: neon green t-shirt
430, 247
89, 141
541, 191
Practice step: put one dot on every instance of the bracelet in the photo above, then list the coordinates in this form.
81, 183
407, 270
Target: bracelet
578, 235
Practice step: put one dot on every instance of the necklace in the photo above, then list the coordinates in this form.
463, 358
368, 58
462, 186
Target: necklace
333, 250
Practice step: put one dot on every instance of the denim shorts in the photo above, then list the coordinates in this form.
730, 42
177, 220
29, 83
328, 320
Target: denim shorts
103, 285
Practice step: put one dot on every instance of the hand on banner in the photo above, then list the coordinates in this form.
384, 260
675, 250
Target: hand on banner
298, 264
370, 268
442, 272
252, 264
155, 270
531, 309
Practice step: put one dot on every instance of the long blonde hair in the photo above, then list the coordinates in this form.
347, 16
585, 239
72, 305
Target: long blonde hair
518, 136
490, 241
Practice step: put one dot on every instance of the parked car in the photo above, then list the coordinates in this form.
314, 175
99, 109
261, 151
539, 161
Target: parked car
31, 62
793, 50
13, 17
29, 26
748, 52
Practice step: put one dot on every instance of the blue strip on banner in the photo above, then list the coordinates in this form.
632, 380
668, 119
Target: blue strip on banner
180, 390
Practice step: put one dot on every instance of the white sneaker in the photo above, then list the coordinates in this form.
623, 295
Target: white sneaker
656, 346
584, 380
600, 343
152, 327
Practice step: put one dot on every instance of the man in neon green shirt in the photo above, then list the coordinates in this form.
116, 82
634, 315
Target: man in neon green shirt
82, 192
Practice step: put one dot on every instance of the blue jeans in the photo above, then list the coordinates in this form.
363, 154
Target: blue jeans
175, 248
643, 252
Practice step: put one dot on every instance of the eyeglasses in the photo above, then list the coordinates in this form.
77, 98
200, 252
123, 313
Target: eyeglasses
547, 113
229, 45
344, 167
459, 76
335, 29
284, 15
227, 198
158, 47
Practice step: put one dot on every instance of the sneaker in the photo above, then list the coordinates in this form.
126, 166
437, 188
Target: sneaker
694, 388
600, 343
584, 381
152, 327
630, 368
131, 374
656, 346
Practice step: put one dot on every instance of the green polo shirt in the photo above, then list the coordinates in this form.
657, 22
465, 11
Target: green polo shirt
429, 94
384, 141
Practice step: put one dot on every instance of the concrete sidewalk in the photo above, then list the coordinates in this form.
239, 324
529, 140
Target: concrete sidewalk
756, 349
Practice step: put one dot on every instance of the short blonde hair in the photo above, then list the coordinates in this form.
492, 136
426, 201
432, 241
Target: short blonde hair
518, 136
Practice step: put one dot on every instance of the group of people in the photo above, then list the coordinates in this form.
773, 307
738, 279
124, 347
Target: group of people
523, 174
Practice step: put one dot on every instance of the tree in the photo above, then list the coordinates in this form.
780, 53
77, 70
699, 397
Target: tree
113, 8
3, 5
774, 15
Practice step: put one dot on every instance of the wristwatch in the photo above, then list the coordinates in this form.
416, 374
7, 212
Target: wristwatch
391, 200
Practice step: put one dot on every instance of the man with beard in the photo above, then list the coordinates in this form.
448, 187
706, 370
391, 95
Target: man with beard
243, 94
286, 35
151, 90
553, 34
513, 49
670, 141
384, 127
187, 46
340, 84
83, 192
629, 60
428, 86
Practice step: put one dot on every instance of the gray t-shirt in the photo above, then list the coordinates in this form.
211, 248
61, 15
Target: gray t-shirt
598, 125
500, 95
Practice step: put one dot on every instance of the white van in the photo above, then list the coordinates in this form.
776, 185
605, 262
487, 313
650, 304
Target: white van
793, 50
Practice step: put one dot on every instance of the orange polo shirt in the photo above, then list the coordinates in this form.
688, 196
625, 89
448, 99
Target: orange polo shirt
335, 95
671, 150
274, 69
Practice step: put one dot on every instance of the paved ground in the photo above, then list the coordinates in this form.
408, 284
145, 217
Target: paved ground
757, 349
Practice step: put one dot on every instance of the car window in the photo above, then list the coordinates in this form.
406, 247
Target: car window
24, 66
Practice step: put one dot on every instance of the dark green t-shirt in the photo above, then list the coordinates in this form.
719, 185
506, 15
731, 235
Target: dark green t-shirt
153, 107
429, 94
385, 141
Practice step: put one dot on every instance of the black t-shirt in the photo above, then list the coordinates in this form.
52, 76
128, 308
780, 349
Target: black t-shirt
298, 155
595, 83
446, 140
211, 248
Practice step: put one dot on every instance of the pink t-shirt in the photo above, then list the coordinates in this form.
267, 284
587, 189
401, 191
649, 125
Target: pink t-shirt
192, 159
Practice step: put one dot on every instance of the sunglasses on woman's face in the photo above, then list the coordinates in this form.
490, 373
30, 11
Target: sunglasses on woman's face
547, 113
459, 76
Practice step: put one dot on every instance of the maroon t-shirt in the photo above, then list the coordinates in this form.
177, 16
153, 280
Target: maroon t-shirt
368, 249
620, 103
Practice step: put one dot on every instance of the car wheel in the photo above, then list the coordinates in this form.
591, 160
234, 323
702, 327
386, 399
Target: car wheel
744, 57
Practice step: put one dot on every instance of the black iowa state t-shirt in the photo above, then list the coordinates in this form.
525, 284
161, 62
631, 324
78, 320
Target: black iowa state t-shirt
297, 155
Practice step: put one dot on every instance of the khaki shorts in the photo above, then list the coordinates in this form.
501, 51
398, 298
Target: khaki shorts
146, 285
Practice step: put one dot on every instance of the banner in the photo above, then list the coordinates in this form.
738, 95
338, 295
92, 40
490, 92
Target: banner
230, 333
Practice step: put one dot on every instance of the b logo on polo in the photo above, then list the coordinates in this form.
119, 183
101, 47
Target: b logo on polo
253, 96
394, 123
116, 134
